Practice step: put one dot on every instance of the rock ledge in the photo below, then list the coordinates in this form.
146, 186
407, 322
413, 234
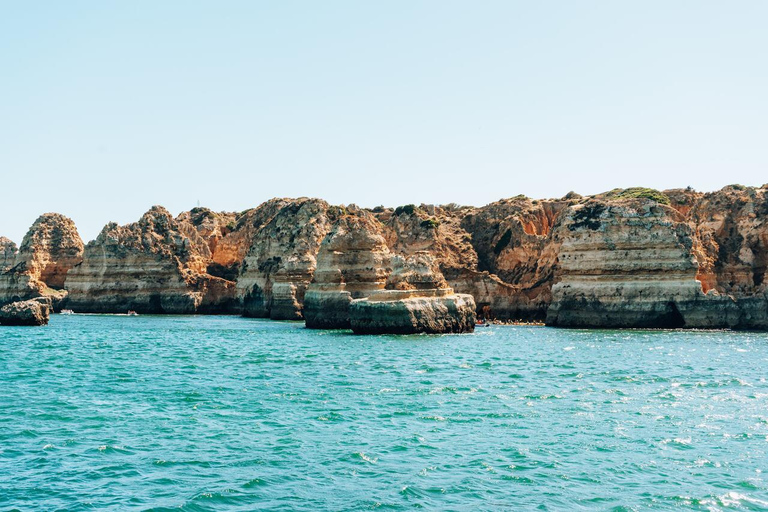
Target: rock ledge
408, 312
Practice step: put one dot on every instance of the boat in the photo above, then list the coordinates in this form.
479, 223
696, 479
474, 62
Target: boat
67, 312
132, 313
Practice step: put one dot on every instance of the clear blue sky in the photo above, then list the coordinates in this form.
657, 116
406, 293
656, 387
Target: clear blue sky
109, 107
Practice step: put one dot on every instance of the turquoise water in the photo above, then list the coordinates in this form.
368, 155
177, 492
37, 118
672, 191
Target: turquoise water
225, 413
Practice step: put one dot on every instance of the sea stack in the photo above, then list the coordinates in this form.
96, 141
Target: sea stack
51, 247
353, 262
416, 299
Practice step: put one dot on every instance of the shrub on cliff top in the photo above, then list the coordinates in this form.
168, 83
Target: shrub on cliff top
407, 209
336, 212
430, 224
639, 193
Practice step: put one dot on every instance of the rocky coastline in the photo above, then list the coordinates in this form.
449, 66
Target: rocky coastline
625, 258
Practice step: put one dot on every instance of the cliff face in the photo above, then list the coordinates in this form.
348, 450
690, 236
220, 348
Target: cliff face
624, 258
517, 257
156, 265
204, 226
50, 248
733, 234
353, 262
626, 263
698, 263
8, 252
282, 257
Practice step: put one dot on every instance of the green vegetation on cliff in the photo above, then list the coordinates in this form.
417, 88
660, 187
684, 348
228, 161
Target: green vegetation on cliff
638, 193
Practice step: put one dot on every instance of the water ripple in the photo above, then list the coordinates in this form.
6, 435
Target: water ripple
223, 413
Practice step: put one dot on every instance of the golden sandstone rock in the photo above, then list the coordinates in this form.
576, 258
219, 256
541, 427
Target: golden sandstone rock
625, 258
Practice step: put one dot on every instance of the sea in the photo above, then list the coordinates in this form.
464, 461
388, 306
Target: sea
220, 413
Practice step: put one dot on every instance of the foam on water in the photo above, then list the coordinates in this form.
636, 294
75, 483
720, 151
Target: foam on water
225, 413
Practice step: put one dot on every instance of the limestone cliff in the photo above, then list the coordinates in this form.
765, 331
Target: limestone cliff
671, 259
624, 264
625, 258
732, 227
8, 252
517, 257
50, 248
353, 261
155, 265
282, 257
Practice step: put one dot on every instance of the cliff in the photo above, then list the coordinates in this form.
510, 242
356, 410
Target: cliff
353, 261
623, 263
50, 248
624, 258
663, 259
517, 257
8, 252
282, 257
156, 265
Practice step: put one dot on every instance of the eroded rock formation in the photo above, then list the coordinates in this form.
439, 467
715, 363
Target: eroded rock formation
8, 251
627, 263
155, 265
282, 257
25, 313
517, 257
50, 248
625, 258
416, 299
353, 262
673, 259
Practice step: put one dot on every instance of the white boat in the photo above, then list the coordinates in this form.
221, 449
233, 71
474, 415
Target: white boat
67, 312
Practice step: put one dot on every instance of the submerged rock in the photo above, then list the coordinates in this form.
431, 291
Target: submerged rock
29, 312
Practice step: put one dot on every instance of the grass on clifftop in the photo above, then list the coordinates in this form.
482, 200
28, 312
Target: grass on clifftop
638, 193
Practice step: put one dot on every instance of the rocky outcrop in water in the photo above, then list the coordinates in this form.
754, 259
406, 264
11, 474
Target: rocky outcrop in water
39, 268
353, 261
416, 299
25, 313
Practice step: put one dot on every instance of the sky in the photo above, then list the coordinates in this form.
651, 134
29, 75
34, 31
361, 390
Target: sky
109, 107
